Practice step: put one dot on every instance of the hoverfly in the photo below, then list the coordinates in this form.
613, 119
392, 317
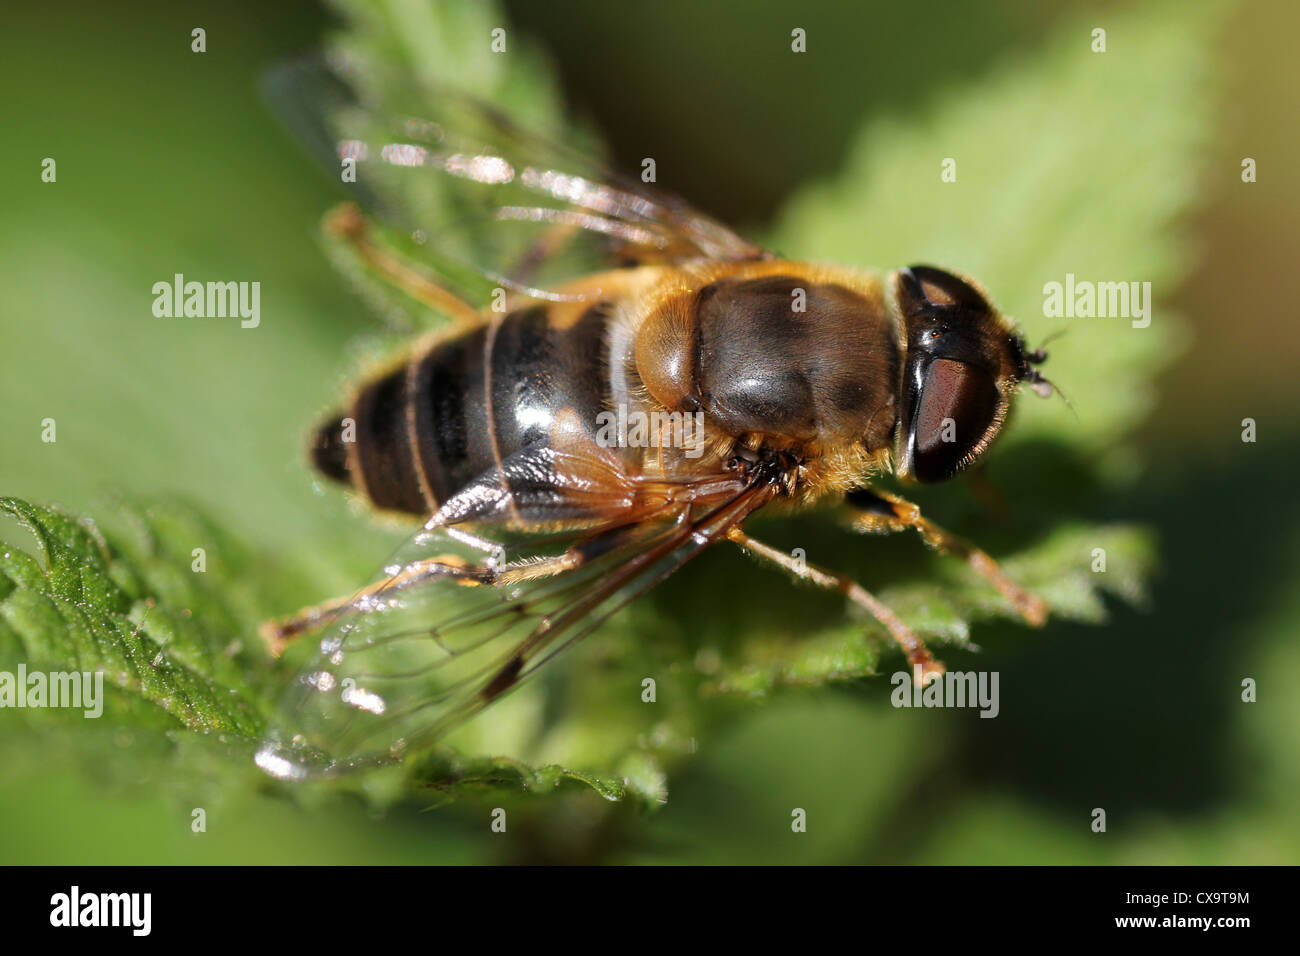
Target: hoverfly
806, 382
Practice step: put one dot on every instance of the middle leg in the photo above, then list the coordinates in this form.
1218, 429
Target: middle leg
918, 655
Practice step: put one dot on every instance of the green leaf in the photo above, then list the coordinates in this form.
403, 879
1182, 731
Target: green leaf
450, 778
83, 612
1042, 190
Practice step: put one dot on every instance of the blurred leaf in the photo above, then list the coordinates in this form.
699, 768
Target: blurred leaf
415, 61
1060, 169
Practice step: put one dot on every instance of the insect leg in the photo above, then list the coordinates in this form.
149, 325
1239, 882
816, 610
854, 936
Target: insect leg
875, 511
280, 632
917, 653
347, 222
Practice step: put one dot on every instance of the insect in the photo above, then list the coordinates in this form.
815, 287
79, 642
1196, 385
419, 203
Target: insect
751, 382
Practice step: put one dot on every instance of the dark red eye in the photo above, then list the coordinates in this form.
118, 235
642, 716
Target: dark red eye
955, 408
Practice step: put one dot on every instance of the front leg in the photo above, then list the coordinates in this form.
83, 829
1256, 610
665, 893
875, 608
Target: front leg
346, 222
877, 512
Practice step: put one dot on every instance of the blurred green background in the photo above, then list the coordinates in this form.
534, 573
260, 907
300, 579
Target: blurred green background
170, 162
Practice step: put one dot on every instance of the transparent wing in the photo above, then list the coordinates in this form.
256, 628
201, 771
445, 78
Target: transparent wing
463, 187
460, 617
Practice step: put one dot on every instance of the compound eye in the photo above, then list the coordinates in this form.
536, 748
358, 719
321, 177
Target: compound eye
955, 410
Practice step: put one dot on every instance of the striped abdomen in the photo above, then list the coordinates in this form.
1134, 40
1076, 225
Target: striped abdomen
425, 430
